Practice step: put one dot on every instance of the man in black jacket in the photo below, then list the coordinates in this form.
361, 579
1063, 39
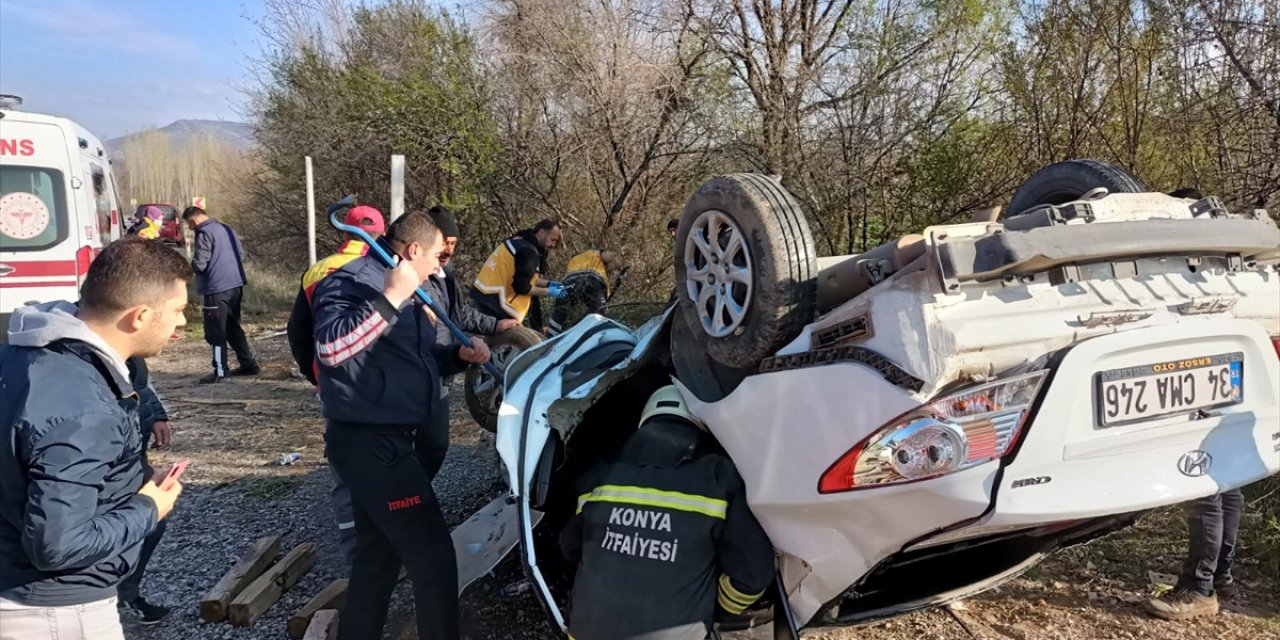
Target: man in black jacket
664, 537
218, 262
75, 500
380, 368
153, 422
444, 289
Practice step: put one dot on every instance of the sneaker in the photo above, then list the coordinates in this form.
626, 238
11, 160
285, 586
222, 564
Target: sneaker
1181, 604
1226, 587
212, 378
246, 370
145, 612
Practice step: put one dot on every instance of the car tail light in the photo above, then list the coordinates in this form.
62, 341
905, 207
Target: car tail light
950, 433
1275, 342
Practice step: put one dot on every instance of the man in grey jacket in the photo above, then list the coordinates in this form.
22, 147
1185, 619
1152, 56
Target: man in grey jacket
218, 263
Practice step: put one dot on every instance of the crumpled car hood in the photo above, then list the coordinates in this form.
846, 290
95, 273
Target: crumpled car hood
551, 385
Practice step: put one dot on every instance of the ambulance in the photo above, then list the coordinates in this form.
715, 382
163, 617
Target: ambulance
58, 207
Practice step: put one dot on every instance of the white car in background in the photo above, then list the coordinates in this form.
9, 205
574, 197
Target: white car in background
920, 422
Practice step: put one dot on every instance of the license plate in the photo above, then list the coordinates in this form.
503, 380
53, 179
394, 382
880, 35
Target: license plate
1167, 388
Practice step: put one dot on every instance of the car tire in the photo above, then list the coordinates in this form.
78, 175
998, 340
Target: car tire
482, 395
753, 287
1068, 180
709, 380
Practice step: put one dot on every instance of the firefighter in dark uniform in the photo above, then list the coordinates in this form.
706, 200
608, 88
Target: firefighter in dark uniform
380, 368
587, 280
663, 536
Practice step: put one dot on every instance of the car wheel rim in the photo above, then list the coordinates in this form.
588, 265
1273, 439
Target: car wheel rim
486, 386
718, 273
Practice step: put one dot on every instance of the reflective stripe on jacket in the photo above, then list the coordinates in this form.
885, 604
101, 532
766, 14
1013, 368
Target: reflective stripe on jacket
348, 251
663, 536
301, 327
494, 288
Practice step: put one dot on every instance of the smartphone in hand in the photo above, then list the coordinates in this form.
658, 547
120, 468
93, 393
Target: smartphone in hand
174, 473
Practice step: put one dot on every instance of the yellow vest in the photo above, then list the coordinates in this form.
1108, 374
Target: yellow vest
150, 229
589, 260
495, 279
350, 250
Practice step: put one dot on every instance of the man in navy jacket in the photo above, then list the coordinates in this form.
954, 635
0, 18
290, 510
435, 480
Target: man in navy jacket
218, 262
75, 502
380, 369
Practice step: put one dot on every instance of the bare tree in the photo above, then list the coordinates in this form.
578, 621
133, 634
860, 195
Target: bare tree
600, 103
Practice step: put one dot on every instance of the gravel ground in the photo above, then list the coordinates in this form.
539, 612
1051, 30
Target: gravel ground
233, 495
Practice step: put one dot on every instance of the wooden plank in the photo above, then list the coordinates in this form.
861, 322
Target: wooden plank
324, 626
331, 597
263, 592
213, 608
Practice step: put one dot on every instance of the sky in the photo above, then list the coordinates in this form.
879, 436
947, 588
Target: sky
121, 66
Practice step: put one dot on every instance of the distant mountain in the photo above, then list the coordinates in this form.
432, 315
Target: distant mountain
236, 134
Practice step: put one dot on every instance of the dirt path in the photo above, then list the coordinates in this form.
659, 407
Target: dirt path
234, 430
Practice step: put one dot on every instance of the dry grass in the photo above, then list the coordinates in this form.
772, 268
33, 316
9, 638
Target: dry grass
271, 289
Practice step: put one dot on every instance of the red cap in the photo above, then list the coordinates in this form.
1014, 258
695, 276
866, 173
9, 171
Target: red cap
366, 218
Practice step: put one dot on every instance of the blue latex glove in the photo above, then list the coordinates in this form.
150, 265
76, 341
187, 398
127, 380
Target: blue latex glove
557, 290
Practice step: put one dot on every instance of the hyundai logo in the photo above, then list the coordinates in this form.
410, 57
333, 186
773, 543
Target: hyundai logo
1195, 463
6, 269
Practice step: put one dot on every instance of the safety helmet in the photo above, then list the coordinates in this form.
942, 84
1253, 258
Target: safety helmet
668, 401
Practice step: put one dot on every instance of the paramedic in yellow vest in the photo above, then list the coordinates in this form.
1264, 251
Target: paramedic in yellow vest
587, 279
151, 222
302, 344
513, 277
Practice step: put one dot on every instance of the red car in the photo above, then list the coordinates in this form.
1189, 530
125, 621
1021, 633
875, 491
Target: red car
170, 225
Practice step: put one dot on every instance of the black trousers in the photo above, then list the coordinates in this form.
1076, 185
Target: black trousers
131, 587
222, 329
431, 442
398, 521
1213, 525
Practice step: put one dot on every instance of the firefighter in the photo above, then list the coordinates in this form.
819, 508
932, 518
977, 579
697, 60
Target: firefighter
663, 536
380, 368
513, 277
587, 280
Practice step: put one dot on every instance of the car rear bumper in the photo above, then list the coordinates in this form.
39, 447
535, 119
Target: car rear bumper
1070, 466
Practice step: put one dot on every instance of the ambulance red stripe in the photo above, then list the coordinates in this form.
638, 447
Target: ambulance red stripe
37, 268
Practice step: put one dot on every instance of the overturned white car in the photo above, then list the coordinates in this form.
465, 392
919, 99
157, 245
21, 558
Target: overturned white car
920, 422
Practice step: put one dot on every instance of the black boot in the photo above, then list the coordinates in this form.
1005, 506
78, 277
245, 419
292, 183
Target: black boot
145, 612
